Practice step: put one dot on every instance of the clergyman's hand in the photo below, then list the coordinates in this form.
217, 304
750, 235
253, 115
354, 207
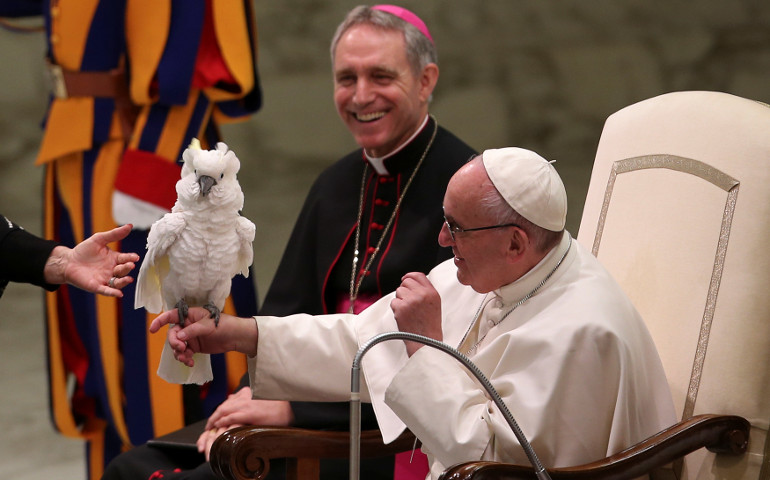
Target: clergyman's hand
240, 409
417, 309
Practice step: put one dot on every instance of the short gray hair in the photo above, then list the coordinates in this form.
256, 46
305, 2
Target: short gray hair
420, 51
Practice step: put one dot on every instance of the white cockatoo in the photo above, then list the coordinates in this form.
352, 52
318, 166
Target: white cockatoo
194, 251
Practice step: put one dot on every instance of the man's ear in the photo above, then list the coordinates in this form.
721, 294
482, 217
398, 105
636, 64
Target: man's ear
428, 80
518, 243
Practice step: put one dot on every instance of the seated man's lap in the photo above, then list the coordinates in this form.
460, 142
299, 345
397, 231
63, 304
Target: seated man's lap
142, 462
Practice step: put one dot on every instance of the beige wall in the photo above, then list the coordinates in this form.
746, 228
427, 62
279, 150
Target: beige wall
542, 74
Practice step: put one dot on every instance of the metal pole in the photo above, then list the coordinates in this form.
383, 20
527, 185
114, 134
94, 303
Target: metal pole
355, 422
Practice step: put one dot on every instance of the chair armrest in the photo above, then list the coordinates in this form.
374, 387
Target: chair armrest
245, 452
718, 433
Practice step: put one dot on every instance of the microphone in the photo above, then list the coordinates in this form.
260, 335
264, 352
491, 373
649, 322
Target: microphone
355, 399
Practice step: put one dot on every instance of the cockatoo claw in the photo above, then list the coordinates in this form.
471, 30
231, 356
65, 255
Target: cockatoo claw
214, 312
182, 310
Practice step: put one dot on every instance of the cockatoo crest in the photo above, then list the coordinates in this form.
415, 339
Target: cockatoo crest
205, 171
220, 160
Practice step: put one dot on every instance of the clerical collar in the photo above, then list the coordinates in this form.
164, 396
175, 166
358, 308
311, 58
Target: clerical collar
378, 163
514, 291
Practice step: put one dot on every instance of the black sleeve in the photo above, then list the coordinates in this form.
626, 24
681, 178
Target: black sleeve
23, 255
21, 8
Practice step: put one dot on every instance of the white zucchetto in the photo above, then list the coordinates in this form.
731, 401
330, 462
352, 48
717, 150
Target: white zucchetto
530, 185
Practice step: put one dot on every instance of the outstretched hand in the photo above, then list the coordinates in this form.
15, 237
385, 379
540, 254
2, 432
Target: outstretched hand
92, 265
201, 335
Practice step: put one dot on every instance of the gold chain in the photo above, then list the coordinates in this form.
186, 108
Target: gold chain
356, 285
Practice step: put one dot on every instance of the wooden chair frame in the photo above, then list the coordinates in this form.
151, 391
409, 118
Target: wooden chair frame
244, 453
723, 434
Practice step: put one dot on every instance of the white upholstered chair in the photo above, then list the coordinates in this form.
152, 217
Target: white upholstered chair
678, 210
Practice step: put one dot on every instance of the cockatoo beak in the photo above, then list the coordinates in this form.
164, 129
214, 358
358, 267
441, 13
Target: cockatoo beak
206, 183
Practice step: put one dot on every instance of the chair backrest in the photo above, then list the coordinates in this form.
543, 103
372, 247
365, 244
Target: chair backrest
678, 210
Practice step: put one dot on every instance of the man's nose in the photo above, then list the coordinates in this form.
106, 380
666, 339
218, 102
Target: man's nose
364, 93
444, 236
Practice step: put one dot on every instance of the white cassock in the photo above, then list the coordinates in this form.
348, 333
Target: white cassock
574, 364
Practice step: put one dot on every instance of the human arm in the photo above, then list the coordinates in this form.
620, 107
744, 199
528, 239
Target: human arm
24, 257
21, 8
301, 357
294, 351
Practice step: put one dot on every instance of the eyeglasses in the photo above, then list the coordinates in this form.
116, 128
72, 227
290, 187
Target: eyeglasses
454, 228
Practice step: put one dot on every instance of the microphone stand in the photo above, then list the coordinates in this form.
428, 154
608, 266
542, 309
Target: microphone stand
355, 399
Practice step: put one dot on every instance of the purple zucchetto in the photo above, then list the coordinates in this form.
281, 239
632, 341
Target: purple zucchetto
407, 16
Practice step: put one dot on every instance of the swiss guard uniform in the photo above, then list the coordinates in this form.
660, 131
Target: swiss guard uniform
133, 82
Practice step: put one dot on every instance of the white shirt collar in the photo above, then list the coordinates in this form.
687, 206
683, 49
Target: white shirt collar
378, 163
513, 292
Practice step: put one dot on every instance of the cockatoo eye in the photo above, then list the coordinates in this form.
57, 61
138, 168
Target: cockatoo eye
195, 171
221, 176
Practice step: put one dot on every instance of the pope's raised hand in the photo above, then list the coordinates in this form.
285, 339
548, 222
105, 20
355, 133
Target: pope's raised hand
417, 308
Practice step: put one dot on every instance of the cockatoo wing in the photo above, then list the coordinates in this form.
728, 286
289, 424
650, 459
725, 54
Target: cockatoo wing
245, 230
163, 234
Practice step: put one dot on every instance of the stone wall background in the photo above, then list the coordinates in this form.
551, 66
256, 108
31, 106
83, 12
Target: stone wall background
541, 74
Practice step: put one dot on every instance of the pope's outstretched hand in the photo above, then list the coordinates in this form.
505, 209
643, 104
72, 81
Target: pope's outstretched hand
201, 335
